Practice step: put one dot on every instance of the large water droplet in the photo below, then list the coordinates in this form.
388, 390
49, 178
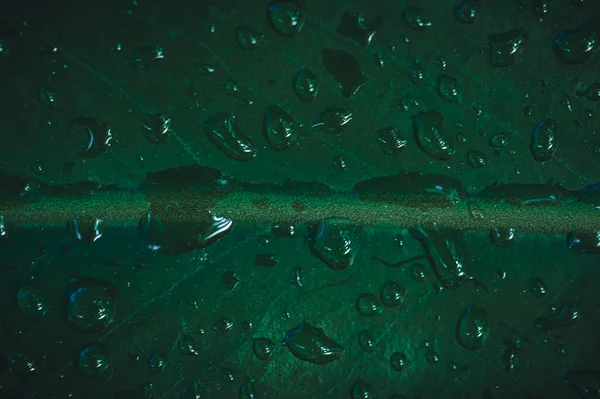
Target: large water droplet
430, 137
263, 348
310, 344
93, 359
414, 18
90, 304
286, 17
223, 132
279, 127
574, 46
248, 38
334, 242
472, 328
391, 140
543, 140
345, 70
97, 135
465, 12
361, 390
32, 301
505, 46
156, 128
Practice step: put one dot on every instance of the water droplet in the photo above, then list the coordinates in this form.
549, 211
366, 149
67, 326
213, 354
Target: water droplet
538, 288
417, 272
32, 302
37, 168
567, 316
465, 12
408, 103
296, 277
279, 128
310, 344
265, 260
366, 341
430, 137
540, 9
441, 62
448, 89
392, 294
46, 97
477, 159
399, 240
205, 69
283, 230
356, 28
248, 38
230, 279
223, 324
227, 376
505, 46
339, 163
398, 361
368, 305
504, 237
566, 103
559, 349
391, 140
156, 362
499, 140
86, 229
432, 357
306, 85
361, 390
414, 18
332, 120
334, 242
416, 73
574, 46
90, 304
247, 390
262, 348
156, 128
345, 70
528, 110
93, 360
98, 135
223, 132
378, 60
461, 138
472, 328
286, 17
585, 243
592, 93
543, 140
231, 86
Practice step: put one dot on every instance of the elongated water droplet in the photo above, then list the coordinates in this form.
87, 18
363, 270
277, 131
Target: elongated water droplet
543, 140
335, 243
505, 47
310, 344
248, 38
279, 128
306, 85
430, 137
223, 132
575, 46
472, 328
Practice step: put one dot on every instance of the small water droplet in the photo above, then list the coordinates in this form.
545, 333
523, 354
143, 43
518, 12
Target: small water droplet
286, 17
156, 362
543, 140
296, 277
332, 120
310, 344
477, 159
465, 12
279, 128
156, 128
448, 89
430, 137
575, 46
504, 237
338, 163
368, 305
265, 260
46, 97
206, 69
417, 272
441, 62
98, 136
32, 301
398, 361
223, 132
248, 38
361, 390
86, 229
37, 168
505, 47
414, 18
306, 85
538, 288
231, 86
499, 140
263, 348
592, 93
366, 341
345, 70
90, 304
392, 294
334, 242
472, 328
230, 279
227, 376
93, 359
432, 357
566, 103
391, 140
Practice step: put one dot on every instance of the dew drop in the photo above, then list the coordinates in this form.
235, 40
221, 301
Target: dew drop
206, 69
227, 376
223, 132
230, 279
47, 98
97, 135
398, 361
265, 260
391, 140
368, 305
392, 294
366, 341
279, 128
505, 47
334, 242
575, 46
499, 140
306, 85
472, 328
86, 229
448, 89
32, 302
286, 17
465, 12
37, 168
156, 362
90, 304
310, 344
566, 316
156, 128
543, 140
248, 38
592, 93
231, 86
93, 359
332, 120
430, 137
477, 159
504, 237
338, 163
263, 348
414, 18
361, 390
417, 272
432, 356
356, 28
538, 288
297, 277
416, 73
